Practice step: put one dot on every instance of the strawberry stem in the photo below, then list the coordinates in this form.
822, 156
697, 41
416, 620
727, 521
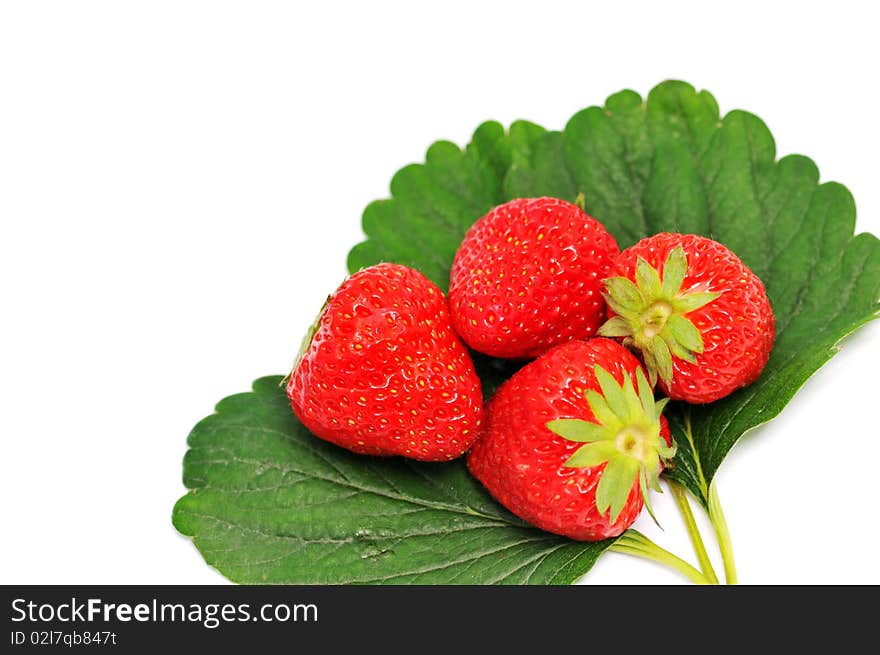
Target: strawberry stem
681, 499
716, 516
635, 543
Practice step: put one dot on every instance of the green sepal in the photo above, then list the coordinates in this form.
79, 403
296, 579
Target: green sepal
603, 413
575, 429
624, 435
647, 279
674, 270
667, 452
591, 455
685, 333
616, 326
633, 402
615, 485
306, 342
623, 295
663, 358
652, 314
659, 406
613, 394
690, 302
676, 349
646, 394
646, 497
650, 363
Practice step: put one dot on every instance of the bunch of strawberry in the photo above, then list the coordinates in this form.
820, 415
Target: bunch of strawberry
573, 441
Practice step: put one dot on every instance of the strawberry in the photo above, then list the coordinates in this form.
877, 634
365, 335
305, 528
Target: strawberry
381, 372
700, 318
528, 276
572, 442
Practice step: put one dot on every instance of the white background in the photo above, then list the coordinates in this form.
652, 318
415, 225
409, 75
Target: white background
180, 183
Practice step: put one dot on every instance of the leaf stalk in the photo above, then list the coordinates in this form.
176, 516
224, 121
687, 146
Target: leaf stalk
681, 499
716, 516
635, 543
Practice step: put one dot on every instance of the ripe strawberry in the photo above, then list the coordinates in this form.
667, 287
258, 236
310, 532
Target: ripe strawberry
383, 373
527, 276
703, 323
572, 442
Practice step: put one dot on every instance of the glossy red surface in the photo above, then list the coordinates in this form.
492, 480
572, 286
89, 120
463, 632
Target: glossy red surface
527, 276
737, 327
385, 374
520, 461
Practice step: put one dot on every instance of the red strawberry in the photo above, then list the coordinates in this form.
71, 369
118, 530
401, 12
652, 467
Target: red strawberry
527, 276
700, 318
572, 442
383, 373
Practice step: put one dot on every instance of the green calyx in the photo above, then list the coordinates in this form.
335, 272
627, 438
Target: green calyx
306, 342
651, 314
625, 437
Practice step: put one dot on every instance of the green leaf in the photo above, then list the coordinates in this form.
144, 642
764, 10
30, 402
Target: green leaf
270, 503
673, 163
433, 204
